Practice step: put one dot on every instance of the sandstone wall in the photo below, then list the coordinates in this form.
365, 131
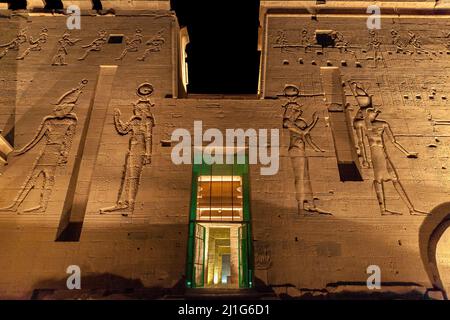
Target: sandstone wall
30, 89
147, 247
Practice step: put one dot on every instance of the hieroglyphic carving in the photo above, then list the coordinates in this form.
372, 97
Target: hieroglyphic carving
96, 44
35, 44
299, 131
14, 44
282, 42
332, 40
132, 44
328, 41
60, 57
263, 261
58, 131
305, 40
154, 45
139, 153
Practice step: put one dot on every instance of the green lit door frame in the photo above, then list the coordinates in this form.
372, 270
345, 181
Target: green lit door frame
245, 248
200, 235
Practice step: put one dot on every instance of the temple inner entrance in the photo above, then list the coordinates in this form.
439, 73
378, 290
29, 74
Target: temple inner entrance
221, 256
220, 234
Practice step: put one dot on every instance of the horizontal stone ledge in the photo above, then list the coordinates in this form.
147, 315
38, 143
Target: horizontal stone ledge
361, 11
119, 4
38, 12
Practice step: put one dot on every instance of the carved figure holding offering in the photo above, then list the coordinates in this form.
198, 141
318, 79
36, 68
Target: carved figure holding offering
58, 131
140, 126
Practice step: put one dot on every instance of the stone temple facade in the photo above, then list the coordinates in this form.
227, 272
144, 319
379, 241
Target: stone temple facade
87, 176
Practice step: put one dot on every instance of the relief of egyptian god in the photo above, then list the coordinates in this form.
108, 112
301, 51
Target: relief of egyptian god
300, 137
96, 45
153, 45
132, 45
15, 43
373, 130
63, 43
406, 46
140, 128
374, 47
57, 132
35, 44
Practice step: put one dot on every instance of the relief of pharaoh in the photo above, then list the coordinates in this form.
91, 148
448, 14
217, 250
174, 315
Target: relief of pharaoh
57, 132
140, 127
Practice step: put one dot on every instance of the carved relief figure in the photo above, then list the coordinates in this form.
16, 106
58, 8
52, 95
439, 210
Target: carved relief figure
14, 44
96, 44
344, 45
281, 41
58, 131
154, 45
415, 42
383, 168
400, 45
305, 40
374, 46
299, 130
140, 126
447, 41
60, 58
132, 44
364, 101
35, 44
340, 41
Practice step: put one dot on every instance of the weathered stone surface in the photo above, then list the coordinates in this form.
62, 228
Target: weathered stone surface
303, 240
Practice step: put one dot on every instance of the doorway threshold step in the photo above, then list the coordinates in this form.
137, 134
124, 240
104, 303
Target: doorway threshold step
219, 294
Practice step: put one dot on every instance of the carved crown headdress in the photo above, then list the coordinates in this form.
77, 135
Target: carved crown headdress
71, 96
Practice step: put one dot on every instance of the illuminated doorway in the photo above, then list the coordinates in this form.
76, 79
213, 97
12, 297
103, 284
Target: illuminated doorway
219, 248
